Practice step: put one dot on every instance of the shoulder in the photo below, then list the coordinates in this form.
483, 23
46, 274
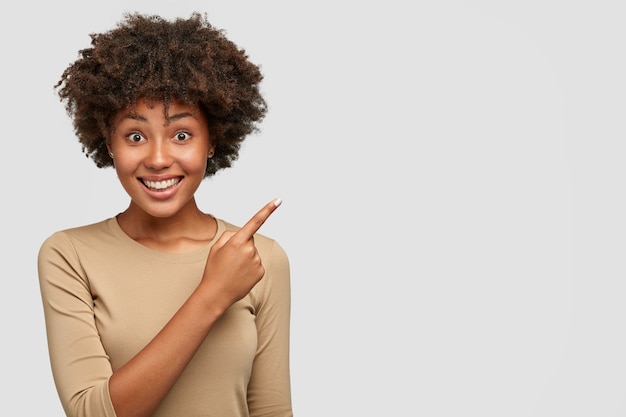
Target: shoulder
71, 237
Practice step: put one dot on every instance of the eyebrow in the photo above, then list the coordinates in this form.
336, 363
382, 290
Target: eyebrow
179, 116
173, 117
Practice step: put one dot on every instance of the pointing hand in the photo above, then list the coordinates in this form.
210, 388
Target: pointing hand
234, 266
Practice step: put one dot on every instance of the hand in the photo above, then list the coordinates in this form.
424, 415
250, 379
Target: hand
234, 266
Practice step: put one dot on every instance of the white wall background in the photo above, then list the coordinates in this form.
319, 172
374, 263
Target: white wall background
453, 183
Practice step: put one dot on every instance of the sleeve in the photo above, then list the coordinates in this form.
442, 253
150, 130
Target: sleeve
80, 366
269, 389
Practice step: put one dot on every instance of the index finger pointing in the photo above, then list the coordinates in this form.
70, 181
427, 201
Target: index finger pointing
256, 221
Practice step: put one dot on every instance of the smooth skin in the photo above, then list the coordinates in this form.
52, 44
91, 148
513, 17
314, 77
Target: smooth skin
147, 148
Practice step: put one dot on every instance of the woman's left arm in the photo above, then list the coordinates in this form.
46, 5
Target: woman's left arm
269, 390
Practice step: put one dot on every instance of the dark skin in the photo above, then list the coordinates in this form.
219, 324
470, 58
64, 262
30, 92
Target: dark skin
207, 100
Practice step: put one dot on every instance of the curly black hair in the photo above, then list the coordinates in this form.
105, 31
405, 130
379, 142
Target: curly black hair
147, 56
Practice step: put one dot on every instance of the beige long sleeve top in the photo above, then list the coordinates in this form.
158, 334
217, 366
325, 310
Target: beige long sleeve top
105, 296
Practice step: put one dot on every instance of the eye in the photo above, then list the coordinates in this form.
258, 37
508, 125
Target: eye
135, 137
182, 136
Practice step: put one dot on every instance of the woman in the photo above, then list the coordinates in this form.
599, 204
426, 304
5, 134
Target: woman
164, 310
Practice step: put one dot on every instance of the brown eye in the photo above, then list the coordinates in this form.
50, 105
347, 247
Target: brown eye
182, 136
135, 137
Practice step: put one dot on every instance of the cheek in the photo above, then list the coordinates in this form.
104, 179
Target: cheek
196, 159
123, 164
201, 166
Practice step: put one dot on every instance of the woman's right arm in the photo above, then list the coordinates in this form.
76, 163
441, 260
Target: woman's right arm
80, 366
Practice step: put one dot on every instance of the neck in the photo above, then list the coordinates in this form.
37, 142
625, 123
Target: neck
188, 225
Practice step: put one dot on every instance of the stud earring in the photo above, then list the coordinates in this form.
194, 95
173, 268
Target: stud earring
111, 154
210, 155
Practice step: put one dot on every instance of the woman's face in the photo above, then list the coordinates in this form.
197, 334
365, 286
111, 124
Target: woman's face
160, 161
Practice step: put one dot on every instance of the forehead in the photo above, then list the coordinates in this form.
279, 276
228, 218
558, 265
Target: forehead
158, 110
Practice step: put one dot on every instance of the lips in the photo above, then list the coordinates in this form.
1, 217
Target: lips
161, 185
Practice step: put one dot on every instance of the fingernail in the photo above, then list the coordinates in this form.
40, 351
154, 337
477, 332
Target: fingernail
278, 202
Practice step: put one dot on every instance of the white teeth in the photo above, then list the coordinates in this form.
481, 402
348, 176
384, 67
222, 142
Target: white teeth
161, 185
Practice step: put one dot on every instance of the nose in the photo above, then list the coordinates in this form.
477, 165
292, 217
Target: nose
158, 155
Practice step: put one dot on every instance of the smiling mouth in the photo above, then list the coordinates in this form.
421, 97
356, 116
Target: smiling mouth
161, 185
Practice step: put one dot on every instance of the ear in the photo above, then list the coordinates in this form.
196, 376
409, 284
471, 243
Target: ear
107, 142
211, 147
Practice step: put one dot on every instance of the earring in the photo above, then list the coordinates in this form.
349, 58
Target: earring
210, 155
111, 154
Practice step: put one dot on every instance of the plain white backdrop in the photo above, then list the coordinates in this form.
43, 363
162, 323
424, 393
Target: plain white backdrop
453, 183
